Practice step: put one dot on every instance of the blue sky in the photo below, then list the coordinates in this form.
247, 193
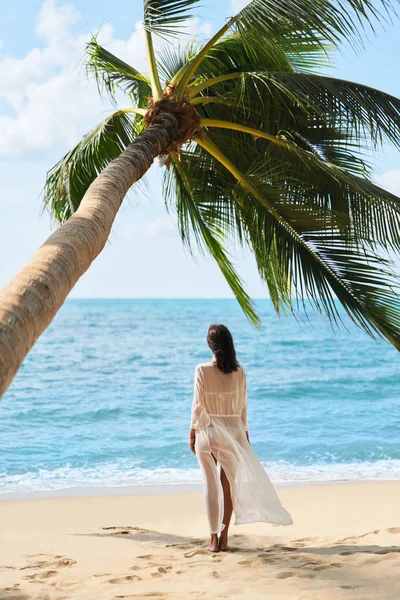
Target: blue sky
46, 105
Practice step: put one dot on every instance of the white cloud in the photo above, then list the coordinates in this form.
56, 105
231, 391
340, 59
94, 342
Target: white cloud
390, 181
47, 94
53, 22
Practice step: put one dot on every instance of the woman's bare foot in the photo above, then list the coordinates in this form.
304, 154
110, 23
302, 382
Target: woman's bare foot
223, 542
213, 545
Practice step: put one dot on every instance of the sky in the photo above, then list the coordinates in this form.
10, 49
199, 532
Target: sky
47, 104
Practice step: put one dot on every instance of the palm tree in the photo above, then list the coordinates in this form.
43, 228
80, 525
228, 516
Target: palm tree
259, 149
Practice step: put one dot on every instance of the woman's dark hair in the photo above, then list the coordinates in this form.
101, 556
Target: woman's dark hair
220, 341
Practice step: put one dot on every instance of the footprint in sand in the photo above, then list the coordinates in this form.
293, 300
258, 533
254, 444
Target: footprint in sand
381, 551
126, 530
250, 562
41, 575
287, 574
155, 560
126, 579
198, 551
267, 559
158, 573
388, 556
321, 568
15, 588
354, 538
308, 563
53, 561
184, 545
394, 530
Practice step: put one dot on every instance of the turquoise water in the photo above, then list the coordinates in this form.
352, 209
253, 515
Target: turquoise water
104, 397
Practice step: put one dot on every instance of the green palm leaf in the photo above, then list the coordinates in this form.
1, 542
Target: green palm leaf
111, 73
335, 21
206, 231
68, 180
367, 114
165, 17
270, 20
172, 58
363, 210
322, 263
236, 222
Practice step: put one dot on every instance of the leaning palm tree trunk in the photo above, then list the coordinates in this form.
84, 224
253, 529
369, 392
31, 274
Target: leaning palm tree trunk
31, 300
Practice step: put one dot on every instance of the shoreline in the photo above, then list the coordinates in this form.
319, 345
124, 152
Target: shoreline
161, 488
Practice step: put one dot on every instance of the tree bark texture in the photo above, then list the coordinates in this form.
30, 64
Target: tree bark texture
32, 298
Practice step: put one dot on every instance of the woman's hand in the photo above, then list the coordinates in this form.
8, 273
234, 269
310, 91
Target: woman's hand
192, 440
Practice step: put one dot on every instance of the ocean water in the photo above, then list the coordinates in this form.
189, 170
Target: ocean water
104, 397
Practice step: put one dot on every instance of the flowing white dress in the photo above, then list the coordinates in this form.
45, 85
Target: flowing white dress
219, 415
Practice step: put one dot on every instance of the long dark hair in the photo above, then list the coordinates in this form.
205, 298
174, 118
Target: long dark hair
220, 341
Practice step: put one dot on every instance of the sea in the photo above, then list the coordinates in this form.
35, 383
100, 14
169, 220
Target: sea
104, 397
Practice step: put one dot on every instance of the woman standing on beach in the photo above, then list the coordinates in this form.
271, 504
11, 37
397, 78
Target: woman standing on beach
219, 433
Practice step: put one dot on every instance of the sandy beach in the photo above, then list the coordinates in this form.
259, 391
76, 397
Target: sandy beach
345, 544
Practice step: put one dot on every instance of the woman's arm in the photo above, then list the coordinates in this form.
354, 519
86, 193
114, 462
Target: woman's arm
199, 417
192, 439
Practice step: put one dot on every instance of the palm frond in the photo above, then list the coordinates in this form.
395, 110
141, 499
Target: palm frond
165, 17
272, 21
173, 57
363, 210
323, 263
111, 73
206, 231
342, 119
366, 113
336, 22
212, 190
67, 182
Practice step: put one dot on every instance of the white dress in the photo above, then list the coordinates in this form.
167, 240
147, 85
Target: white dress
219, 415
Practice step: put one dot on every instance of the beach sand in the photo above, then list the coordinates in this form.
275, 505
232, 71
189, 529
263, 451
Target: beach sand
345, 544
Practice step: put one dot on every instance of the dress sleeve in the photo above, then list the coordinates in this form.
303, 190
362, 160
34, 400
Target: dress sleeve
244, 409
199, 417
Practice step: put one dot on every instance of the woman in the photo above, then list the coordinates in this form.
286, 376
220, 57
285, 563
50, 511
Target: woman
219, 433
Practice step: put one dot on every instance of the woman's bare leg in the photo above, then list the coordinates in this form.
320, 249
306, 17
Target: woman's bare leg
223, 538
213, 546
